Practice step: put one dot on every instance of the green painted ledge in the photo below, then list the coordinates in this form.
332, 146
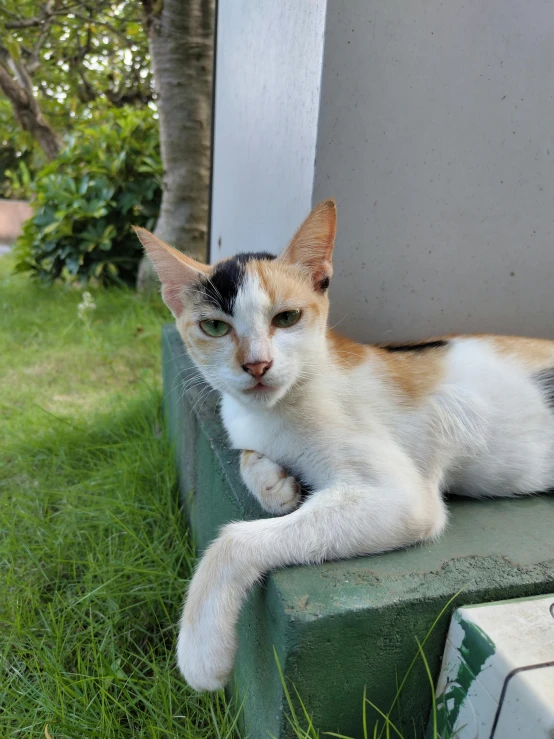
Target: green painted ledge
341, 626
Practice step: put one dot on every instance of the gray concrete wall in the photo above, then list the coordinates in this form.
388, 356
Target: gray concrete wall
434, 134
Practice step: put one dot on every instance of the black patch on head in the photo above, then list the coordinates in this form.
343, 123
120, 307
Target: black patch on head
421, 347
545, 380
248, 256
222, 287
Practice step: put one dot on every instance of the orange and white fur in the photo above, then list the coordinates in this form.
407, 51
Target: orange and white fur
376, 432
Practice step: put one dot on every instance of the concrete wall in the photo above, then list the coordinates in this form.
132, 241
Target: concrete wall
433, 132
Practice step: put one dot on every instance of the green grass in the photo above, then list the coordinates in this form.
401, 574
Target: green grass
94, 556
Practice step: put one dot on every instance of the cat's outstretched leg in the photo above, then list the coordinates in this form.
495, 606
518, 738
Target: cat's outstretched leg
269, 483
338, 522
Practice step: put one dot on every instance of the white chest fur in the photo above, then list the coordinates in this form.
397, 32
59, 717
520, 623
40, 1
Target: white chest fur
261, 430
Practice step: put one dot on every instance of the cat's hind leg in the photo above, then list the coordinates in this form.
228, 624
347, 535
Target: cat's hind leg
277, 492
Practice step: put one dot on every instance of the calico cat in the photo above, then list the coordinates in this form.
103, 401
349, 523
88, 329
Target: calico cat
377, 432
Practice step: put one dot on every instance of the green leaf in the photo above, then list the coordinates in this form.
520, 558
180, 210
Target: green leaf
13, 47
51, 227
84, 185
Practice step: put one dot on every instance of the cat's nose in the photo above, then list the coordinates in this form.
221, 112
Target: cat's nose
256, 369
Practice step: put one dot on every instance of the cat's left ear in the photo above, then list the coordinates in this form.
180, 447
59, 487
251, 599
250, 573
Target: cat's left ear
175, 270
312, 245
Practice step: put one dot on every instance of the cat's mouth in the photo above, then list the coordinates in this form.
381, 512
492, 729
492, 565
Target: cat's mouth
259, 387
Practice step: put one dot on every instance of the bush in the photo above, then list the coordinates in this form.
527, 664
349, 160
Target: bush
20, 156
18, 182
106, 179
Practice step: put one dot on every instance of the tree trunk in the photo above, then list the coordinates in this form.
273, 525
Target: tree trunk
19, 92
181, 40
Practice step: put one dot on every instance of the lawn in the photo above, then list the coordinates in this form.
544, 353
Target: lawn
94, 554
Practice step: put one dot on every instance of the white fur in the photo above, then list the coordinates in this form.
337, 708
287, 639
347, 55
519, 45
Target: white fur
377, 465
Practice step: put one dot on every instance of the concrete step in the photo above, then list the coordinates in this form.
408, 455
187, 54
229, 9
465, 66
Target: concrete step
342, 626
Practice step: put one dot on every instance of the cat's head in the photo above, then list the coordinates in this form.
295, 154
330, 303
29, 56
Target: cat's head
254, 324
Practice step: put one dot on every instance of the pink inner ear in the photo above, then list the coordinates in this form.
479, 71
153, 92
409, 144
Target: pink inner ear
172, 297
322, 276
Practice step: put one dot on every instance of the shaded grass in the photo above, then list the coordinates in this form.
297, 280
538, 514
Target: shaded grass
51, 360
94, 555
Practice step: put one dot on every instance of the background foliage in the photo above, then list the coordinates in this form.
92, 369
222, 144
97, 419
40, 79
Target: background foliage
81, 58
106, 179
80, 55
18, 151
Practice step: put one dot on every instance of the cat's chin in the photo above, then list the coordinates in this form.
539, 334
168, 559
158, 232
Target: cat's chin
261, 395
266, 396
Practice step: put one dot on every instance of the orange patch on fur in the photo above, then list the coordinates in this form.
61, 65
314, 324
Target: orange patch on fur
345, 352
248, 457
241, 350
415, 374
532, 354
269, 277
288, 286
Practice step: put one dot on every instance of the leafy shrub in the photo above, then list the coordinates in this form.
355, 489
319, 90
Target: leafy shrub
107, 178
18, 182
20, 156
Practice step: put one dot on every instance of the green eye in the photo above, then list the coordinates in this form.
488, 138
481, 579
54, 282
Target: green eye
286, 319
215, 328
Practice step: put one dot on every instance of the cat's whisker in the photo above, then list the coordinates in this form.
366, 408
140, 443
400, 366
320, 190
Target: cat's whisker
346, 315
192, 380
184, 384
184, 390
205, 398
202, 396
180, 378
178, 356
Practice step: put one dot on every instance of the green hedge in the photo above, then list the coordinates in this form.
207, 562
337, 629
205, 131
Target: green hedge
106, 179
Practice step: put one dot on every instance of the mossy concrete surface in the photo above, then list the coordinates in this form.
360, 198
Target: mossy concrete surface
341, 626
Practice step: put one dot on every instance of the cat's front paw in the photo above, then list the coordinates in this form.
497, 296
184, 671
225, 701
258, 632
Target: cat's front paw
281, 497
268, 481
207, 643
203, 665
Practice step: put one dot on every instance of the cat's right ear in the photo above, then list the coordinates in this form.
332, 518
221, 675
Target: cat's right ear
175, 270
312, 245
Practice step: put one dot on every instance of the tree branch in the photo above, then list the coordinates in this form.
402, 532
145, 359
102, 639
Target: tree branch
19, 91
45, 13
107, 25
34, 62
15, 94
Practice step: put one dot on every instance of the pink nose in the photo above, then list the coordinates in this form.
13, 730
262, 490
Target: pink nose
256, 369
